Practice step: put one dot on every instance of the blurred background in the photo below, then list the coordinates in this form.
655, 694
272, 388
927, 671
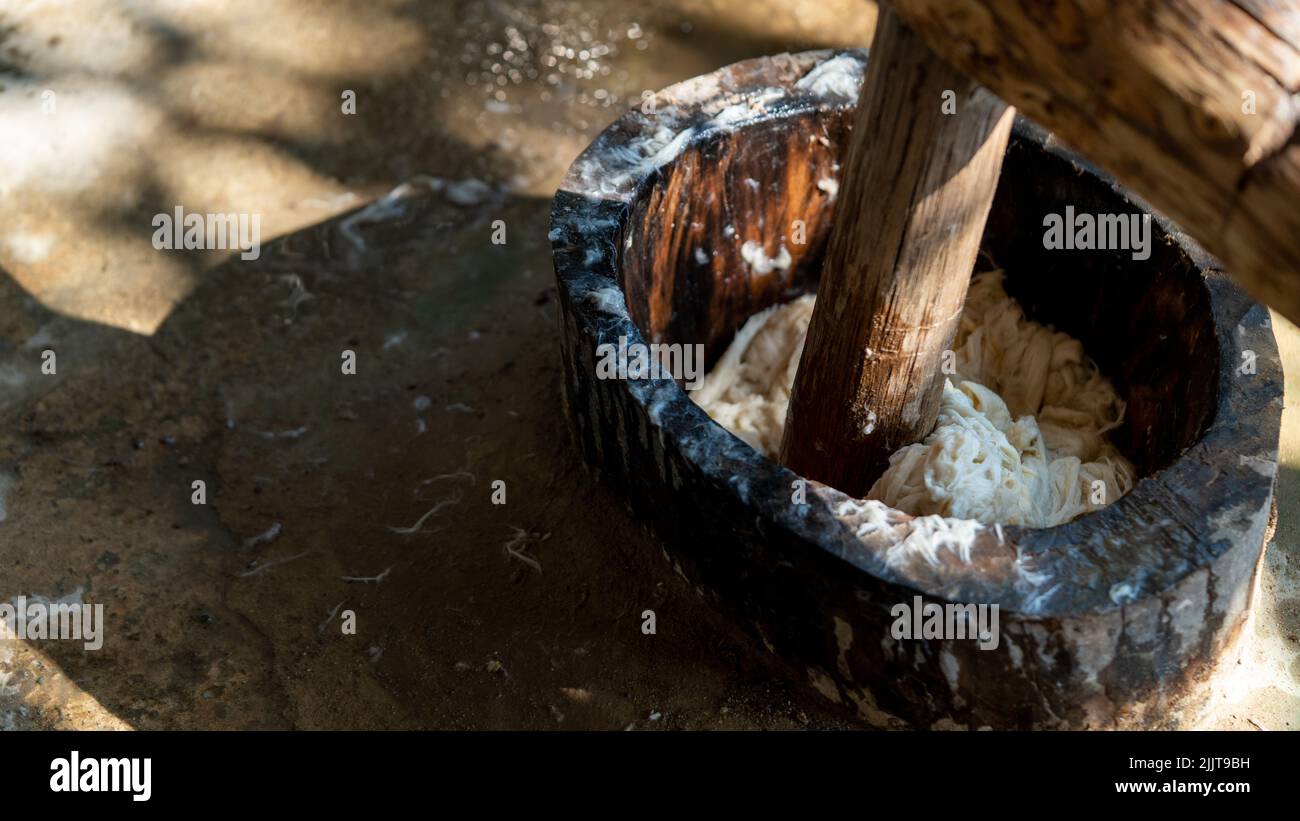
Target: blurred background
370, 493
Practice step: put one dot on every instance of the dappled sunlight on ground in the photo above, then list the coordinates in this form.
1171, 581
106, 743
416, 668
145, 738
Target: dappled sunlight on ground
197, 104
237, 107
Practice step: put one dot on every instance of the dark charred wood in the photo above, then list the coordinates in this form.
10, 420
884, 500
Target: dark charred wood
1116, 619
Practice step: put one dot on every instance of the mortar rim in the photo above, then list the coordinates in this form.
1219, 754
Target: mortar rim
588, 231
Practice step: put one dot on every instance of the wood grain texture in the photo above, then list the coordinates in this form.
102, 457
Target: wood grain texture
1191, 103
918, 183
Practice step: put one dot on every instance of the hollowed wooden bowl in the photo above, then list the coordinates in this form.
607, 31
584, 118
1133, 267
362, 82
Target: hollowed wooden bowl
1116, 619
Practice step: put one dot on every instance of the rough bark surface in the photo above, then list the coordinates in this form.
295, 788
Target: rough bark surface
1191, 103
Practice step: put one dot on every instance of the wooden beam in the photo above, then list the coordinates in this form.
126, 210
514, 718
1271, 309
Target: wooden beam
921, 169
1193, 104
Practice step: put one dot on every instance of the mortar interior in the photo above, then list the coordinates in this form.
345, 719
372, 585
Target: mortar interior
1147, 323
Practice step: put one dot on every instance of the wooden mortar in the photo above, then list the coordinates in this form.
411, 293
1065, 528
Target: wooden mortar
1115, 620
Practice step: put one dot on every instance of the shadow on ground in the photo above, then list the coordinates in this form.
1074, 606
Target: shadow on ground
329, 492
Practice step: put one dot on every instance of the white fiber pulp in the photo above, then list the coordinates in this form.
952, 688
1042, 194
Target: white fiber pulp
1021, 436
